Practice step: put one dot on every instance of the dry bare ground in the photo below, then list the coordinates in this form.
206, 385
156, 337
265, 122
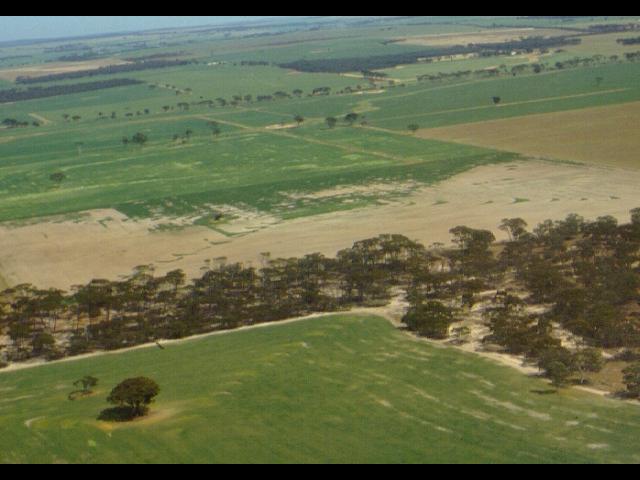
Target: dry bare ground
105, 244
602, 135
41, 70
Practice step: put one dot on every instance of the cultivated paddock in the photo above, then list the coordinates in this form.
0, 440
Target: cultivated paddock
602, 135
105, 244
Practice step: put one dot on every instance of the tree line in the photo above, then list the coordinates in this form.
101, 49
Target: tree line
574, 275
17, 95
379, 62
629, 41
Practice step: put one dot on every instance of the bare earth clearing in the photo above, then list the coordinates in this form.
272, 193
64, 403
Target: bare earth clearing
41, 70
602, 135
105, 244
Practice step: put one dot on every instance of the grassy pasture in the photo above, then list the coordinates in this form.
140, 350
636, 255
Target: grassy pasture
338, 389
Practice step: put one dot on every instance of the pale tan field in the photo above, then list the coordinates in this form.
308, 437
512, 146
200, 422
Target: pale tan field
602, 135
481, 36
43, 69
107, 245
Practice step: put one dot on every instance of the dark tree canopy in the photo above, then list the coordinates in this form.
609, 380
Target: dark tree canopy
136, 393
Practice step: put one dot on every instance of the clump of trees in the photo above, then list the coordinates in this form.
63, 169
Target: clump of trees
629, 41
430, 319
13, 123
138, 138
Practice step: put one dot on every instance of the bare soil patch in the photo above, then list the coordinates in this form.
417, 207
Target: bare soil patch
106, 244
41, 70
281, 126
601, 135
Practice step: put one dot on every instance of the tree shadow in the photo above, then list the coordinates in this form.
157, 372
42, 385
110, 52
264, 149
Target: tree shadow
120, 414
76, 394
549, 391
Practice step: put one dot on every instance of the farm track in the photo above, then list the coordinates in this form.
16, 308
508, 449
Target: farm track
281, 133
40, 118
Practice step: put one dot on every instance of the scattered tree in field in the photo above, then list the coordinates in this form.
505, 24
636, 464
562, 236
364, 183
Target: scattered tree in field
331, 121
87, 383
57, 177
125, 141
139, 138
136, 394
351, 118
413, 128
299, 119
214, 127
496, 100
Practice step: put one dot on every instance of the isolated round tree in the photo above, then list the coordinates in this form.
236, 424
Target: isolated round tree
136, 393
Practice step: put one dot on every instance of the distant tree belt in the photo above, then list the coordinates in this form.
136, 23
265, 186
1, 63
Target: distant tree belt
613, 28
14, 57
75, 57
156, 56
629, 41
108, 70
16, 95
377, 62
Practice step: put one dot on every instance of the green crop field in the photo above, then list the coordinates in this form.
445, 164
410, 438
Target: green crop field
338, 389
241, 165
